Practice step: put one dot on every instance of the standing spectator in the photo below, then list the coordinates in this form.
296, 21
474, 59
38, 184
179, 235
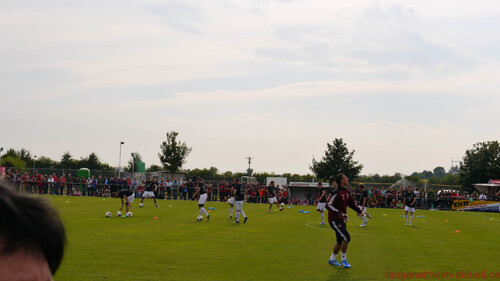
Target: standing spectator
100, 186
62, 184
69, 189
51, 184
93, 187
184, 190
168, 188
57, 184
190, 189
429, 198
175, 189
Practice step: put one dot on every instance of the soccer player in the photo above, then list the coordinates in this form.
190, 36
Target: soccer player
409, 202
239, 195
363, 201
231, 200
337, 204
150, 187
202, 191
271, 192
322, 202
127, 197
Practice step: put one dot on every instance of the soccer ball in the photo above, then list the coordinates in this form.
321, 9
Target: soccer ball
129, 214
199, 218
118, 214
141, 205
282, 204
108, 214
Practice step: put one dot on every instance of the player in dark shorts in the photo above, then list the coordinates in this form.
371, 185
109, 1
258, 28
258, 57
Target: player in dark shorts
409, 202
201, 190
271, 192
337, 204
150, 188
322, 202
239, 197
363, 202
231, 199
126, 196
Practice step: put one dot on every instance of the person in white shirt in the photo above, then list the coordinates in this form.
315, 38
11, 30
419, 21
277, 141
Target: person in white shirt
482, 197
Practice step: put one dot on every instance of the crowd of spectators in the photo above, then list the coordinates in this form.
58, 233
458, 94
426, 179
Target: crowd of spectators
104, 186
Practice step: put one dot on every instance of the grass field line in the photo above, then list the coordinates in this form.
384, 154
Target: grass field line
309, 224
474, 213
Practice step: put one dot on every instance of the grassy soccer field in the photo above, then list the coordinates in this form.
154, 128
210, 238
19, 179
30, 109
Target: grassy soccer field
271, 246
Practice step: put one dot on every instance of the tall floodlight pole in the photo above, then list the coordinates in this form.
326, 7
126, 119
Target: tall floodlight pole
34, 164
249, 162
120, 159
1, 149
133, 162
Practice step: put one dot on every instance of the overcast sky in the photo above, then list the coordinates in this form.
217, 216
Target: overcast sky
407, 84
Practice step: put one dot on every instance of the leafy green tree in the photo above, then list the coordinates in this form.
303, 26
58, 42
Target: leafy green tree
480, 164
91, 162
22, 154
13, 162
173, 153
413, 179
439, 172
154, 168
67, 161
337, 159
45, 162
450, 179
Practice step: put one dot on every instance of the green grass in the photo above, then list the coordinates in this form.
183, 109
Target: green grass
271, 246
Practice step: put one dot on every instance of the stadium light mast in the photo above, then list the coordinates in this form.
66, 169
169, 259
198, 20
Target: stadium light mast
249, 162
34, 164
120, 159
133, 164
1, 149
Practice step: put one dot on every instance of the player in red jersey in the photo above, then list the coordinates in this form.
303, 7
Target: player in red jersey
336, 205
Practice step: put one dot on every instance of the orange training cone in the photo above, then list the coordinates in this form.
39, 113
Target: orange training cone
457, 230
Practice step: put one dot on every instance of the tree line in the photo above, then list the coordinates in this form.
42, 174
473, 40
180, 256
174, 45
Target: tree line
480, 163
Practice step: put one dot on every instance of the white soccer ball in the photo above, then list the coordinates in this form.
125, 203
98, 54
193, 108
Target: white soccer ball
129, 214
282, 204
199, 218
141, 205
118, 214
108, 214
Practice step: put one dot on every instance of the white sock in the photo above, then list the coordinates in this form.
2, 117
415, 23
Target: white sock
231, 211
406, 216
322, 218
333, 257
411, 218
237, 216
243, 213
343, 256
203, 211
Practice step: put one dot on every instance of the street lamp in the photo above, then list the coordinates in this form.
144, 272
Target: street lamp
34, 164
133, 162
120, 159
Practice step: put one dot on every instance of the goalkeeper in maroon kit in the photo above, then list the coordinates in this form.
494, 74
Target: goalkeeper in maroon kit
336, 205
